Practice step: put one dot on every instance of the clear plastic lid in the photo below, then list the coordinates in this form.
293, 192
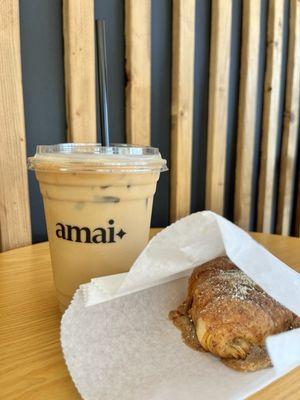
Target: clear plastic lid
91, 157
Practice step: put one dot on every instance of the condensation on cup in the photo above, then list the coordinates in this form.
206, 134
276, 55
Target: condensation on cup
98, 205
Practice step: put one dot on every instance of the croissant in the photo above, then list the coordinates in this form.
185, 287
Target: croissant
229, 315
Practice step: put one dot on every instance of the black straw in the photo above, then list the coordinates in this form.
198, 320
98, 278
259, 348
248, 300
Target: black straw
102, 80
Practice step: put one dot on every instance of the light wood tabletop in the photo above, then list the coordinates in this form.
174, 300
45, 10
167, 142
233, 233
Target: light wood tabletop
32, 365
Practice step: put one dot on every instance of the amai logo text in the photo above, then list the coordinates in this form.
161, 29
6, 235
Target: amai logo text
84, 234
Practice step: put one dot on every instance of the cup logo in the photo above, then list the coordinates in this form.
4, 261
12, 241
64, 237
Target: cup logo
84, 234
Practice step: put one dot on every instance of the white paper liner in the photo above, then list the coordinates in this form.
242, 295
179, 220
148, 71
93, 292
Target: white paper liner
124, 347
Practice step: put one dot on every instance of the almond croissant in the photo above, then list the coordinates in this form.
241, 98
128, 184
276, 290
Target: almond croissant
229, 315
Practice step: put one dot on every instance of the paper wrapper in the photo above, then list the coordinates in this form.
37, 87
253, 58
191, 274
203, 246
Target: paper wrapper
119, 344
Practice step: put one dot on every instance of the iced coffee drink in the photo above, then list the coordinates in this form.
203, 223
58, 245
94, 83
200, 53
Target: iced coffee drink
98, 204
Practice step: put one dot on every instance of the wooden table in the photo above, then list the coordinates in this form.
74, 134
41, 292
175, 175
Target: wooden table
32, 366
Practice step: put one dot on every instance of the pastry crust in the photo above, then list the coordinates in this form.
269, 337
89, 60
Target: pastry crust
229, 315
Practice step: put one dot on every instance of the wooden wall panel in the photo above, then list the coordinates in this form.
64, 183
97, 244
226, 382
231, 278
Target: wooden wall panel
247, 115
271, 120
81, 105
182, 106
80, 83
138, 71
291, 122
15, 227
218, 104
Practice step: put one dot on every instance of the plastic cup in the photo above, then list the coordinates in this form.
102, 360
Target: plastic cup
98, 205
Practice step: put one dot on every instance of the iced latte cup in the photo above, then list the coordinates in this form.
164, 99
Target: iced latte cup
98, 204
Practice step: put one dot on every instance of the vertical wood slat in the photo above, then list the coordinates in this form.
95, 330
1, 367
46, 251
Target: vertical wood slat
80, 82
290, 125
218, 104
182, 106
15, 227
271, 120
138, 71
247, 114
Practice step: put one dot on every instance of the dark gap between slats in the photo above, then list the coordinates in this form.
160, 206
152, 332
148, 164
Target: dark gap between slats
43, 89
113, 13
200, 111
259, 112
235, 54
161, 57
